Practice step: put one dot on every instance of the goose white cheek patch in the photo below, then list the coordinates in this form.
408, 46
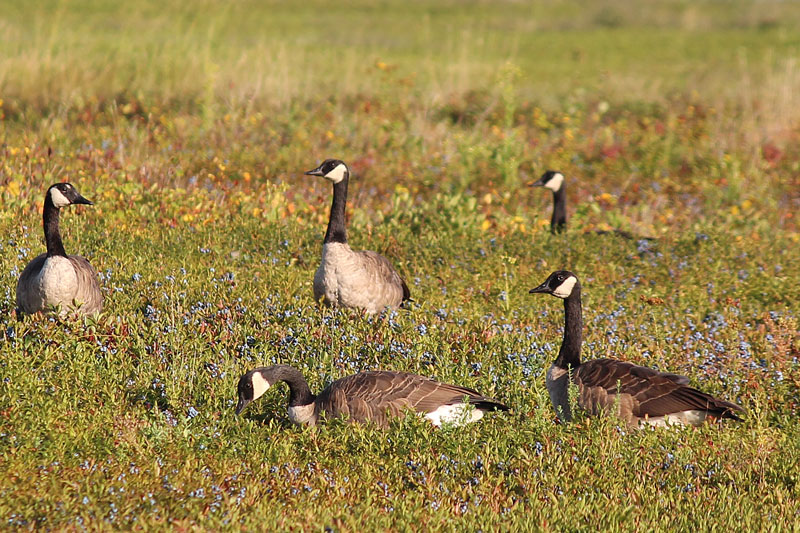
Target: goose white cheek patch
565, 289
58, 199
260, 385
555, 182
337, 174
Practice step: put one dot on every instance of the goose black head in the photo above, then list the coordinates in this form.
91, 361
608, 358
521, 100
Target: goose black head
552, 179
64, 194
561, 284
252, 386
332, 170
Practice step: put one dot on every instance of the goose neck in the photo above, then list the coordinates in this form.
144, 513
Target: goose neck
52, 235
559, 219
569, 356
299, 392
337, 230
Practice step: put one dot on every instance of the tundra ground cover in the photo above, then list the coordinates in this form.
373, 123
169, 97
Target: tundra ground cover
190, 129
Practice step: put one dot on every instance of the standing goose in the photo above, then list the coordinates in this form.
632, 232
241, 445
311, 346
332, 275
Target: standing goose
640, 395
348, 278
554, 181
373, 396
55, 279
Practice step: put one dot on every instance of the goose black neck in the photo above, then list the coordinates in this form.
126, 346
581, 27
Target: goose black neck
559, 221
337, 230
52, 236
569, 356
299, 393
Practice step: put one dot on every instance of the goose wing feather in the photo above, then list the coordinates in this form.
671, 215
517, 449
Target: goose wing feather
642, 391
375, 396
384, 282
88, 293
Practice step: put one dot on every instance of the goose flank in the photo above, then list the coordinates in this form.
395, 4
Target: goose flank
374, 396
55, 279
349, 278
641, 395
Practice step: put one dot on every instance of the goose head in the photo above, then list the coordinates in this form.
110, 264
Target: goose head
253, 385
64, 194
552, 179
333, 170
561, 284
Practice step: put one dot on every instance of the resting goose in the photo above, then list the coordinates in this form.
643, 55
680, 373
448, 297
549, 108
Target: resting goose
345, 277
554, 181
373, 396
55, 279
640, 395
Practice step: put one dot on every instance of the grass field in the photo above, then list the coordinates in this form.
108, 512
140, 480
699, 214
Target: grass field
189, 126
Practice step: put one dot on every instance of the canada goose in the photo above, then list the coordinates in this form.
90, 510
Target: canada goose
348, 278
554, 181
643, 395
55, 279
372, 396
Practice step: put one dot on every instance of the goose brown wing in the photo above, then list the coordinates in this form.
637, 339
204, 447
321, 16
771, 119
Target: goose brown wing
371, 396
88, 293
384, 279
604, 382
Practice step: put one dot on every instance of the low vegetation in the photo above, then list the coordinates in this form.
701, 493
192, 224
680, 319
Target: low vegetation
190, 129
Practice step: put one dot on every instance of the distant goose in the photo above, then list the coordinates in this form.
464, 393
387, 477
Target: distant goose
554, 181
348, 278
373, 396
640, 394
55, 279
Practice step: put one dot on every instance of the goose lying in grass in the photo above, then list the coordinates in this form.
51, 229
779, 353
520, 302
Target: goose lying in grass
373, 396
349, 278
55, 279
638, 394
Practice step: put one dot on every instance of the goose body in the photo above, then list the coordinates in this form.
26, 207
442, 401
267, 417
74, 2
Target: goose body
639, 395
55, 279
555, 181
374, 396
346, 277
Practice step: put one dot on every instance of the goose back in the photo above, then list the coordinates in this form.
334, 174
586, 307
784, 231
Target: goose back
644, 395
380, 395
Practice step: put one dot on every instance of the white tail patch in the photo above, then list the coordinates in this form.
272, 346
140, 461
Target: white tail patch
58, 198
555, 183
565, 289
260, 385
692, 417
456, 414
337, 174
302, 414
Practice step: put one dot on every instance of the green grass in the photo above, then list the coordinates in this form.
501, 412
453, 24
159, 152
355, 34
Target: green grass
190, 126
